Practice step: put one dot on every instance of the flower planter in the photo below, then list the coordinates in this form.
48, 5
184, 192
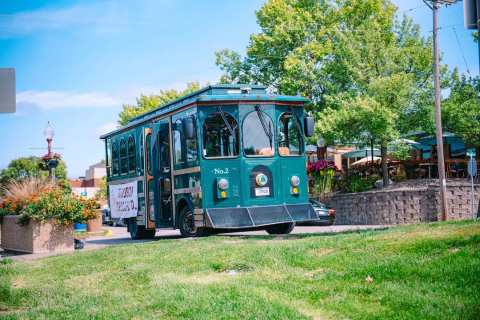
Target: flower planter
95, 225
36, 237
80, 227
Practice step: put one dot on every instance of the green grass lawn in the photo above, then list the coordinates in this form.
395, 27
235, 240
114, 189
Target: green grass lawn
418, 272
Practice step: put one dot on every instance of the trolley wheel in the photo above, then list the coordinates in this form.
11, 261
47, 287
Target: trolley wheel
139, 232
187, 224
284, 228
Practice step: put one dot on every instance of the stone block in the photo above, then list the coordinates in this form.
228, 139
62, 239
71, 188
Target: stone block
36, 237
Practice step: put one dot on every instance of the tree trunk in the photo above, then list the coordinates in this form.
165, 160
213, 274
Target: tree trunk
383, 152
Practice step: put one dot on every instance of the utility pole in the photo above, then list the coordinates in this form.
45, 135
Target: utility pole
438, 114
435, 6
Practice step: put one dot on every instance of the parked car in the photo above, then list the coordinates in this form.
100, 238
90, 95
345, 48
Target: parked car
325, 215
108, 220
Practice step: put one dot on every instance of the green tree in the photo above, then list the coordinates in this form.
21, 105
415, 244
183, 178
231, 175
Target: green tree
103, 191
146, 103
363, 71
25, 167
461, 110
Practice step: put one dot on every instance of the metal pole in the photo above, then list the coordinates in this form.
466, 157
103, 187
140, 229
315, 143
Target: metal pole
474, 215
438, 114
371, 148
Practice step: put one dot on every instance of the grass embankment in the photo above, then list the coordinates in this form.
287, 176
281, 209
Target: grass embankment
415, 272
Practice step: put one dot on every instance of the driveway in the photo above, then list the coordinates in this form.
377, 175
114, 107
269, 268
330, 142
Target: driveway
119, 235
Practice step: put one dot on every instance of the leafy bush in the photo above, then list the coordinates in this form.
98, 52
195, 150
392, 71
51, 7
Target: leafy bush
41, 201
401, 151
356, 183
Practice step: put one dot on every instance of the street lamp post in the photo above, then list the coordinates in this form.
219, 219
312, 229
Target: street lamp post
50, 159
321, 150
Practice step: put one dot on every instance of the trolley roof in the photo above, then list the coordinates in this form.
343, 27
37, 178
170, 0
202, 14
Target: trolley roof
221, 92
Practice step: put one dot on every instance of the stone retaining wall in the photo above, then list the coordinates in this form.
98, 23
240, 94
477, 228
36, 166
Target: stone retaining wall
411, 202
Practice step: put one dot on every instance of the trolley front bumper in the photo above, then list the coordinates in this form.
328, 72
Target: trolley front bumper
252, 217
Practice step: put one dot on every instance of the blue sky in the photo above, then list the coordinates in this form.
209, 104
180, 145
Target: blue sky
78, 61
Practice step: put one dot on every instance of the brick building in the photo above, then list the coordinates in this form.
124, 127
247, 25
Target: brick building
89, 185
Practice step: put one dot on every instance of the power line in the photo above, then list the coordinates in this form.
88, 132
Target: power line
461, 50
412, 9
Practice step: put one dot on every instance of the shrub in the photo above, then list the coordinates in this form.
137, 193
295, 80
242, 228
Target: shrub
355, 183
41, 201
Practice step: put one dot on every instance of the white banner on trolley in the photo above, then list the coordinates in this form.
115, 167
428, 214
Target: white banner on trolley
123, 200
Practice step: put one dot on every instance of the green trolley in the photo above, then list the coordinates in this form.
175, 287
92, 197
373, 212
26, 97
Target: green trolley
224, 158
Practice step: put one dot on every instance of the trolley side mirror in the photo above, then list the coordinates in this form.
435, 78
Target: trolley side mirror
188, 127
308, 125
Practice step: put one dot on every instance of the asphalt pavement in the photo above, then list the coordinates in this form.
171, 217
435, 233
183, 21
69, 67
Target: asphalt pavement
119, 235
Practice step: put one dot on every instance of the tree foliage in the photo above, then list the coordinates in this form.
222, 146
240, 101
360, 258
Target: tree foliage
27, 167
102, 193
366, 73
146, 103
461, 110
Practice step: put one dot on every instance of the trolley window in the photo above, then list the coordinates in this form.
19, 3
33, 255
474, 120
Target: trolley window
108, 149
131, 154
184, 150
258, 134
148, 153
123, 157
140, 144
115, 159
220, 135
177, 143
290, 142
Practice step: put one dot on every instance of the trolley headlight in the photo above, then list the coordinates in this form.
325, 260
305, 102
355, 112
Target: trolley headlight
261, 180
295, 181
222, 188
222, 184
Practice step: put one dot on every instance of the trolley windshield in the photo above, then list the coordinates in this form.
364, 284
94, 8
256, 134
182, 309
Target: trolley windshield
258, 134
220, 135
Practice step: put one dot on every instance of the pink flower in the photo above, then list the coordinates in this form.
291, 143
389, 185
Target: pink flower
320, 165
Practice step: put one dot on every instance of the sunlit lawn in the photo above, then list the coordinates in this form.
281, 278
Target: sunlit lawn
417, 272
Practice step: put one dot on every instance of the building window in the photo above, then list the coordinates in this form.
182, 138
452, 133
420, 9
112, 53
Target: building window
290, 140
258, 134
220, 135
115, 159
123, 157
131, 154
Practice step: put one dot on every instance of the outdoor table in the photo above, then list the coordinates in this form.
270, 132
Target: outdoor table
462, 162
429, 165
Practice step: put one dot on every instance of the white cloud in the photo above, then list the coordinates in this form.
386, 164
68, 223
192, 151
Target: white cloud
106, 127
65, 99
102, 15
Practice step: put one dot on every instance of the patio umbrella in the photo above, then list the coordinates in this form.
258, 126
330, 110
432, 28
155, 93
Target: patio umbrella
411, 143
310, 148
362, 153
366, 160
448, 137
